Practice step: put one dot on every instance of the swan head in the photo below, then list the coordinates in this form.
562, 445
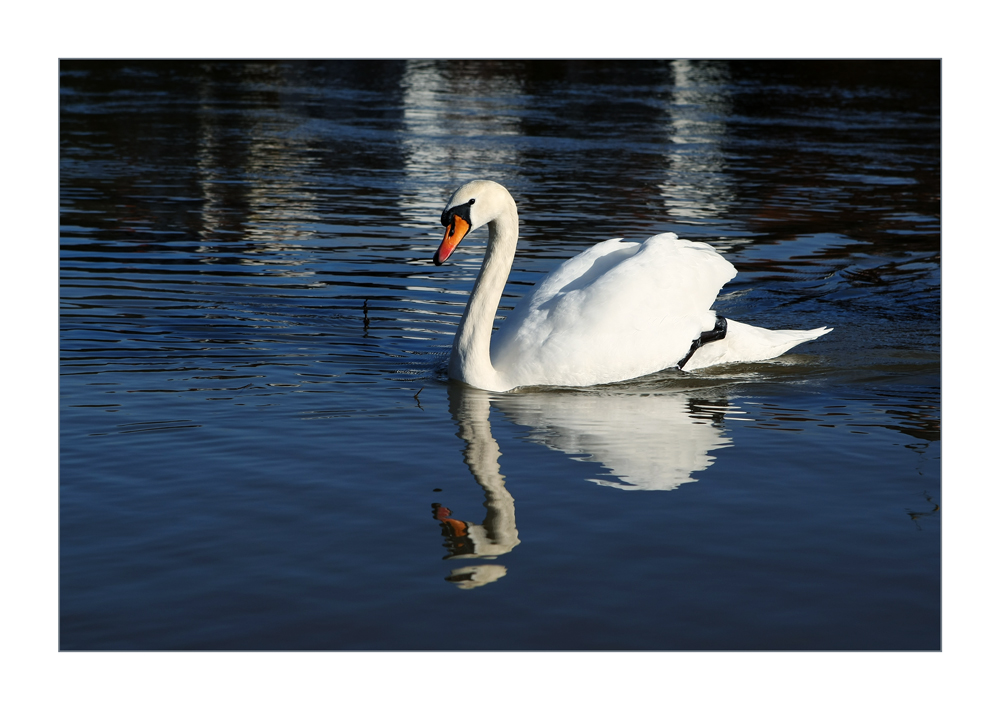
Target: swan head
473, 205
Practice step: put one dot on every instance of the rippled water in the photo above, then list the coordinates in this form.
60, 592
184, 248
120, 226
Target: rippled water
259, 445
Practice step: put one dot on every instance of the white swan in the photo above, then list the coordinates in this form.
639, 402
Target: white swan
613, 312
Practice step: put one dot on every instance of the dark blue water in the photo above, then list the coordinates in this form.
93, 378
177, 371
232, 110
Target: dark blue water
259, 445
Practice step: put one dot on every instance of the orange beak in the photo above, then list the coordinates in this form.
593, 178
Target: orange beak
452, 236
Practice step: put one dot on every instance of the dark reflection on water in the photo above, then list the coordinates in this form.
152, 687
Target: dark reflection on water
255, 423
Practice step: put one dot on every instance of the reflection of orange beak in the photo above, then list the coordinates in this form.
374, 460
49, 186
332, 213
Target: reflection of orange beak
452, 236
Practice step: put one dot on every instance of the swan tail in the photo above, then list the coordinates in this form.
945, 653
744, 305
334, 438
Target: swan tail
748, 343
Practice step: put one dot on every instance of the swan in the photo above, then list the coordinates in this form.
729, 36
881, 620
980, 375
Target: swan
616, 311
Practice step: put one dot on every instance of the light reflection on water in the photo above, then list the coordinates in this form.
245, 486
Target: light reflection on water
254, 338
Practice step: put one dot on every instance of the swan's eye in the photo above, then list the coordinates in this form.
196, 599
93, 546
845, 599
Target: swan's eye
461, 210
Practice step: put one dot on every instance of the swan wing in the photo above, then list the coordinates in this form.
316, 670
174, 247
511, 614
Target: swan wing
616, 311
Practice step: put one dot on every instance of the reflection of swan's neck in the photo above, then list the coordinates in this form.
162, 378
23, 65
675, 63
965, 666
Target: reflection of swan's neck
498, 533
470, 354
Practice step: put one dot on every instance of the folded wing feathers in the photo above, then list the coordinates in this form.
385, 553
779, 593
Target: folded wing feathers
617, 310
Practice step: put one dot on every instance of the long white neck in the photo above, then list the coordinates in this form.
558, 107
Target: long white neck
470, 354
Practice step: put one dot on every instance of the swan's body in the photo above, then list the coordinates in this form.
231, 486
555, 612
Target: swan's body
613, 312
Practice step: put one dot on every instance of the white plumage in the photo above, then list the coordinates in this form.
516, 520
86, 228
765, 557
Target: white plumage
613, 312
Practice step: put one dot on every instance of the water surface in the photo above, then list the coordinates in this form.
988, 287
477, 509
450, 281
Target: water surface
260, 448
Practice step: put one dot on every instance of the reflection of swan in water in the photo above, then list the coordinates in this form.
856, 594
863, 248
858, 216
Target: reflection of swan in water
498, 533
649, 441
616, 311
